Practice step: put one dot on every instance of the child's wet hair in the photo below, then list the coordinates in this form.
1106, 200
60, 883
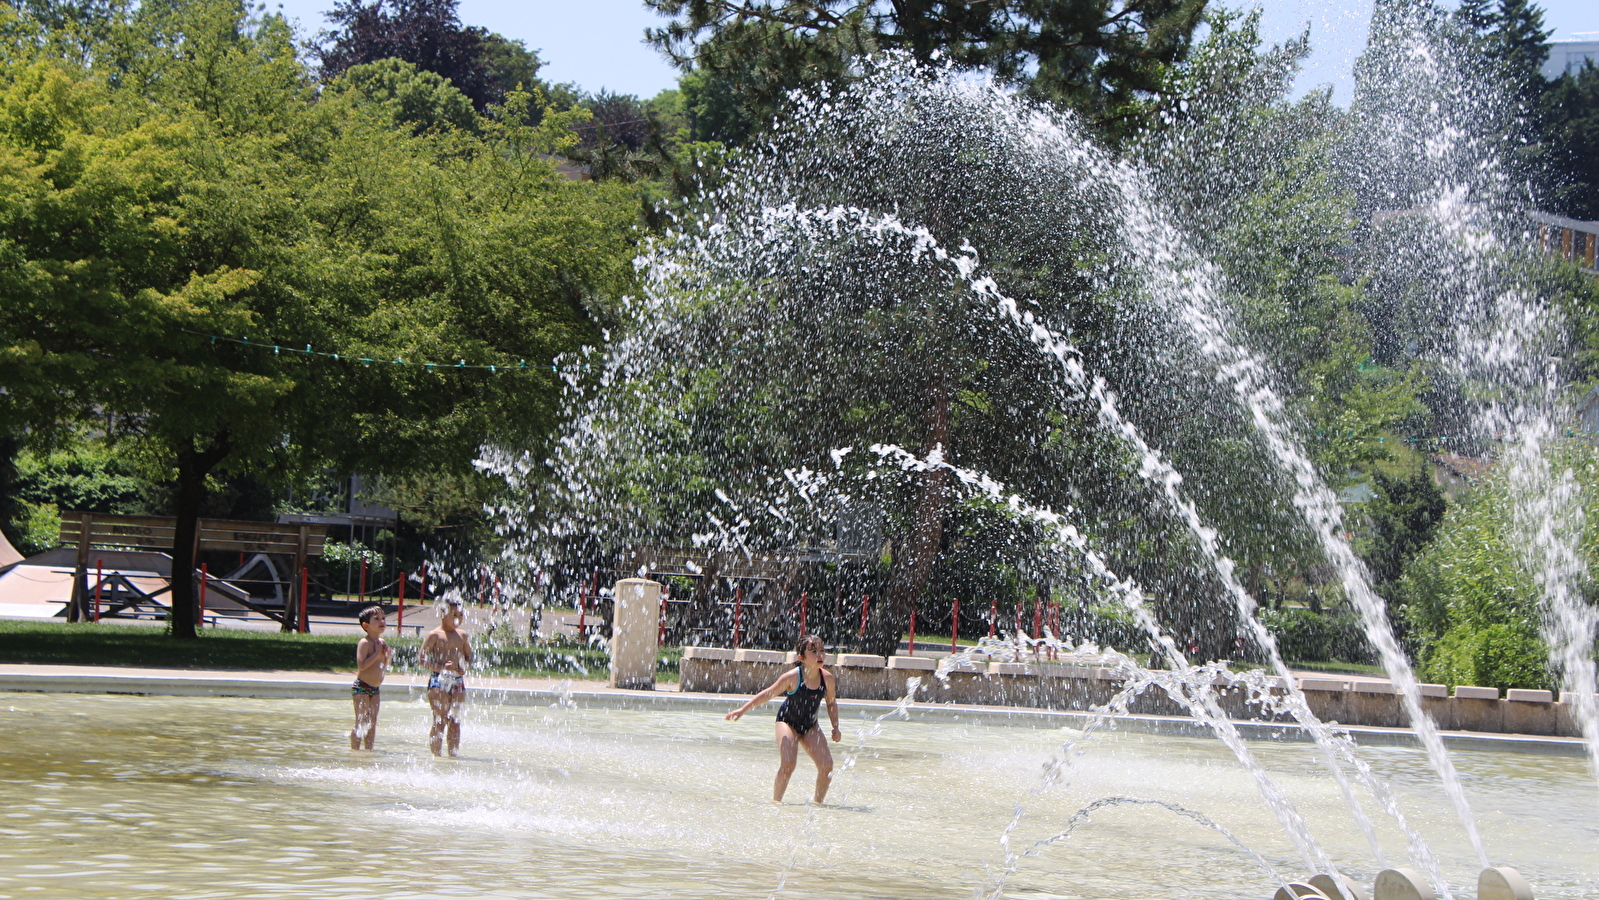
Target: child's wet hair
370, 613
809, 641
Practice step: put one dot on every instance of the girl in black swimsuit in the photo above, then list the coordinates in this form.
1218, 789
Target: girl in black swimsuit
806, 686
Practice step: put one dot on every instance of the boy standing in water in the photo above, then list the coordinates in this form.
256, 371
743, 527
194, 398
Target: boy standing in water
446, 652
806, 686
372, 658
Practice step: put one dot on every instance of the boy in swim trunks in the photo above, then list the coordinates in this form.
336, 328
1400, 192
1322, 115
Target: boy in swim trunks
446, 653
372, 658
806, 686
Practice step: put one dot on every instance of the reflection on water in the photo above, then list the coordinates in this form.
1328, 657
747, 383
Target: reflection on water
208, 797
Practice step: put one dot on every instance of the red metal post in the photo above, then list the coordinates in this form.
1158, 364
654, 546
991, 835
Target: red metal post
422, 591
955, 627
99, 582
205, 575
804, 599
993, 615
866, 605
363, 581
305, 584
738, 616
912, 650
660, 633
400, 625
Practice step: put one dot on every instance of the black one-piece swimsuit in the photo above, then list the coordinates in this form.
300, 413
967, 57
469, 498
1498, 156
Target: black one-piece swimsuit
799, 709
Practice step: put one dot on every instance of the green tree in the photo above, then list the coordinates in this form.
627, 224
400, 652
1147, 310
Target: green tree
1470, 609
426, 33
1570, 129
154, 222
1511, 39
1248, 174
410, 96
1098, 56
1404, 517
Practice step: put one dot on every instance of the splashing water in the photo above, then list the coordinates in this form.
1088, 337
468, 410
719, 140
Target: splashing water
778, 303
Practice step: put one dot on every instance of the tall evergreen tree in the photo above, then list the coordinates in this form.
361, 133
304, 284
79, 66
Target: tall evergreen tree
1570, 122
1102, 57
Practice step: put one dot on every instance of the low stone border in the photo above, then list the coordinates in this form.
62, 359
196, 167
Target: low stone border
922, 711
1072, 687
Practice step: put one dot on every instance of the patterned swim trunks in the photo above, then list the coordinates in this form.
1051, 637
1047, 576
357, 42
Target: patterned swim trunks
362, 689
448, 682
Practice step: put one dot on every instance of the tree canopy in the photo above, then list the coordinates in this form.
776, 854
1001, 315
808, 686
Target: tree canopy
1101, 57
252, 279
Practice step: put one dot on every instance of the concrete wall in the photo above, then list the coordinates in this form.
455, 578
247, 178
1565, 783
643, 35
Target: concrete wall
1064, 687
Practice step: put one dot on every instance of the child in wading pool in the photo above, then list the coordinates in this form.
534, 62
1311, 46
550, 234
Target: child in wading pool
806, 686
372, 658
446, 652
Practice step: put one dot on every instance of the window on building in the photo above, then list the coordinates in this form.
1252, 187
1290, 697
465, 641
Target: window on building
1575, 61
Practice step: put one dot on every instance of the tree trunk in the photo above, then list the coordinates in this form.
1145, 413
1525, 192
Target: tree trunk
193, 467
914, 566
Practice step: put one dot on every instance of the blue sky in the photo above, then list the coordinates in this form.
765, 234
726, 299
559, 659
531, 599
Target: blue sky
599, 43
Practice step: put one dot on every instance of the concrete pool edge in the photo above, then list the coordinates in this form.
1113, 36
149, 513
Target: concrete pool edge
290, 686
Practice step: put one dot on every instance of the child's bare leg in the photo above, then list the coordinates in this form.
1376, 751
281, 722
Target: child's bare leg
441, 704
374, 703
357, 732
452, 722
366, 722
816, 745
787, 756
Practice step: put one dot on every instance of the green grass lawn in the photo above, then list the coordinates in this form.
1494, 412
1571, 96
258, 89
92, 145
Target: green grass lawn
1339, 668
59, 643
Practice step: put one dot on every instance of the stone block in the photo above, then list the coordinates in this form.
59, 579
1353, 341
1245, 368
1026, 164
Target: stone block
1441, 710
635, 627
1467, 692
1472, 714
865, 682
1433, 690
912, 663
707, 675
724, 653
1326, 698
1375, 687
1009, 668
862, 660
1523, 713
748, 655
1372, 708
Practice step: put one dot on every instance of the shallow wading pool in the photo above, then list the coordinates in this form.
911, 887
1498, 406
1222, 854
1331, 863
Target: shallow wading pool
177, 797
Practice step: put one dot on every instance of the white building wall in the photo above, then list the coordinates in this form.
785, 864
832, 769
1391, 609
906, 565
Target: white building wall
1569, 56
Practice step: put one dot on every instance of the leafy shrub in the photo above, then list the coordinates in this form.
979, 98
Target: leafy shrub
1500, 656
1304, 635
39, 527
